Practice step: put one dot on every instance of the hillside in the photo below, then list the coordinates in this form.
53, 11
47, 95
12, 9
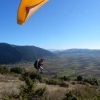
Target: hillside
29, 86
14, 54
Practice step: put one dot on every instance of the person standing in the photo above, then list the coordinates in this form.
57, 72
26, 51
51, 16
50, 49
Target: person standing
38, 65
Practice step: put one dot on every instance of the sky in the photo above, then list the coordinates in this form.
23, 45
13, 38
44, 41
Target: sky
58, 24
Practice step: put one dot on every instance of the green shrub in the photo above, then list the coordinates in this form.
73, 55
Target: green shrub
79, 78
29, 87
28, 91
70, 96
26, 74
4, 70
92, 81
32, 75
40, 92
65, 78
17, 70
52, 82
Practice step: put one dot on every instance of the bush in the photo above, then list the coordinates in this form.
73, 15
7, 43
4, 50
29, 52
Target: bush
17, 70
64, 84
26, 74
40, 91
4, 70
33, 75
64, 78
91, 81
52, 82
79, 78
70, 96
29, 92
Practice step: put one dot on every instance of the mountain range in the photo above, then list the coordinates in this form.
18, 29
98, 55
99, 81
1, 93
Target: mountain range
13, 53
79, 51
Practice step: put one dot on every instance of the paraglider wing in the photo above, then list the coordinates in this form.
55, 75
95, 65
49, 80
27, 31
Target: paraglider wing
27, 8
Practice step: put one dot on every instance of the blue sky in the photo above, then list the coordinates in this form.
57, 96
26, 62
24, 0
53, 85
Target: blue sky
59, 24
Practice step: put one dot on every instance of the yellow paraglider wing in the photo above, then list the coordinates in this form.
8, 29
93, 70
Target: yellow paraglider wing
27, 8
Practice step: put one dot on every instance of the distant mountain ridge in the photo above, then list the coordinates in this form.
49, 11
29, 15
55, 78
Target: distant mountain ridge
13, 53
79, 51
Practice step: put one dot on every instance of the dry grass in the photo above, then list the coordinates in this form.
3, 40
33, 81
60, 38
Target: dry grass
9, 85
86, 91
53, 92
56, 92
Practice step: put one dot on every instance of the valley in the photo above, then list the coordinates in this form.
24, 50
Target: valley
70, 65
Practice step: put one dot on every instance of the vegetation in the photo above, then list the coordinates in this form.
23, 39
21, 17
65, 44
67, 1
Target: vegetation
27, 92
17, 70
4, 70
78, 89
79, 78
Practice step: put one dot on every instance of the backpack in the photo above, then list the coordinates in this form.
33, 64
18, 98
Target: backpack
35, 64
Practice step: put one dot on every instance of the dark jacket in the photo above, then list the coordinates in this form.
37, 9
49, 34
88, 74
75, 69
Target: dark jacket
37, 64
